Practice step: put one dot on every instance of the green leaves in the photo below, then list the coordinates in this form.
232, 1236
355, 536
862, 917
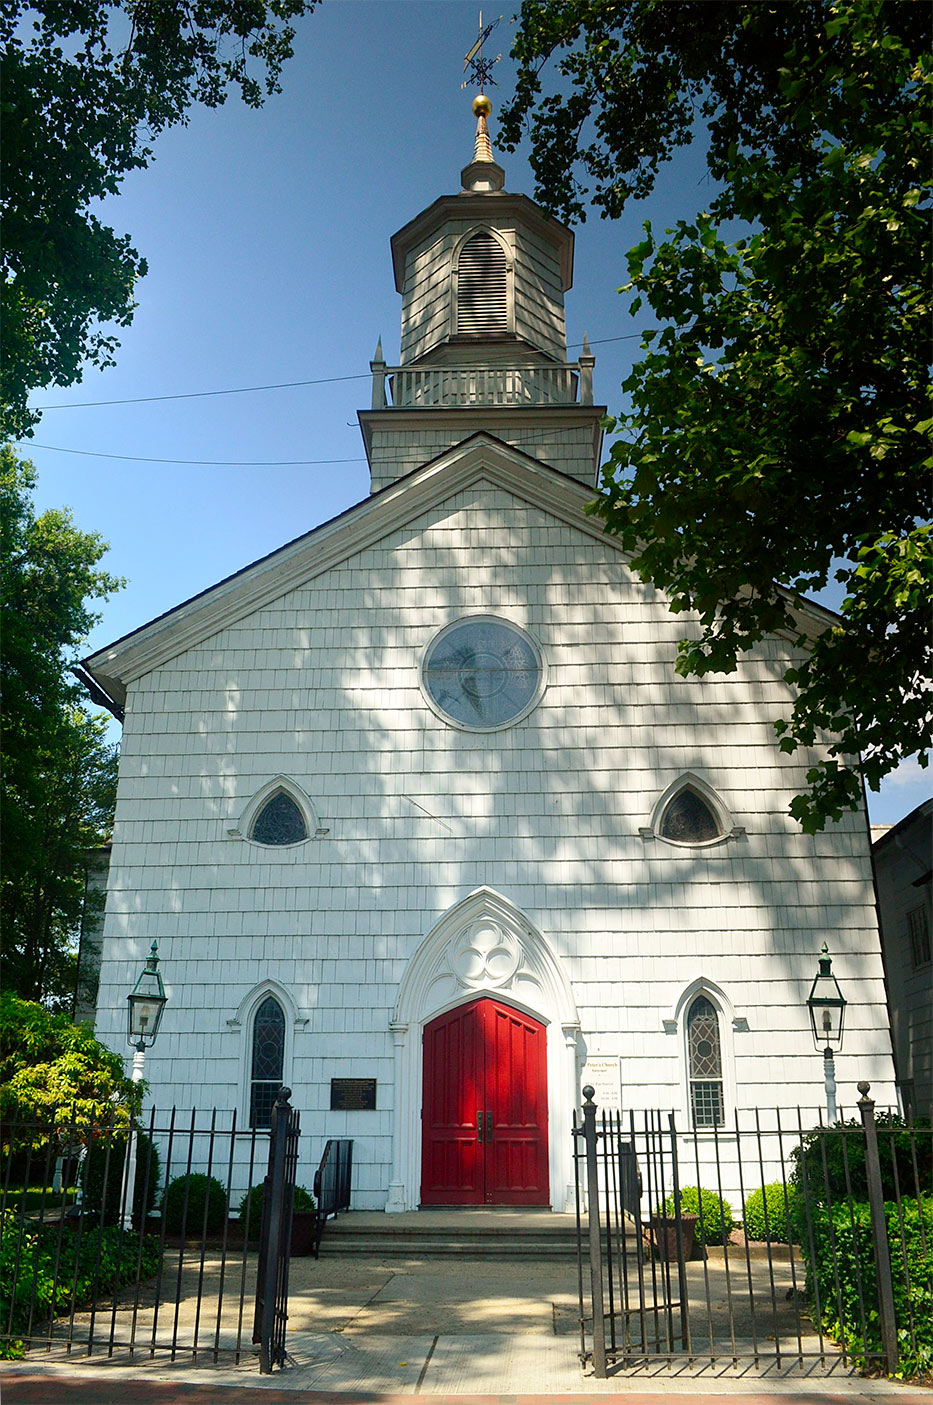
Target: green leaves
77, 116
778, 431
48, 1064
58, 770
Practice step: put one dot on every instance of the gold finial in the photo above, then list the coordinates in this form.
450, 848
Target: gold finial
483, 175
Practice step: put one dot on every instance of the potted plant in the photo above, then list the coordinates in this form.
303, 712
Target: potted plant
661, 1235
304, 1218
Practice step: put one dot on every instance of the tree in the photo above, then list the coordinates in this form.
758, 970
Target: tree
779, 424
58, 771
87, 85
48, 1064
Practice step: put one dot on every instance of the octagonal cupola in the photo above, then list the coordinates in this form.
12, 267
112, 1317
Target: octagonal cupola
483, 273
482, 276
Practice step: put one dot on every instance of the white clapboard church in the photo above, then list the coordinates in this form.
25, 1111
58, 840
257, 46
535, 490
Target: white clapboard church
421, 816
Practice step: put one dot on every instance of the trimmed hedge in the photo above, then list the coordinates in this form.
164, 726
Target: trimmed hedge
830, 1162
714, 1215
199, 1189
766, 1213
848, 1232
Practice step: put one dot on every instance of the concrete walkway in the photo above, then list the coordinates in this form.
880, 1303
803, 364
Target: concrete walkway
386, 1327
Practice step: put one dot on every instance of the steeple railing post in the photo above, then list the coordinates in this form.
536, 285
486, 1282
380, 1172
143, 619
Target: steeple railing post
587, 362
378, 368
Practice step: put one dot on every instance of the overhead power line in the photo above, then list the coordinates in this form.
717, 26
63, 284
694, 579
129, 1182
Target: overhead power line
253, 389
196, 463
200, 394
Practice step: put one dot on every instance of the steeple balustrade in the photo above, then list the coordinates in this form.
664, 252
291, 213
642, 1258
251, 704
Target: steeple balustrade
419, 387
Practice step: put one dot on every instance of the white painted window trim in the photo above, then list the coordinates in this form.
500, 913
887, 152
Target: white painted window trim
242, 1024
689, 780
278, 785
730, 1024
509, 275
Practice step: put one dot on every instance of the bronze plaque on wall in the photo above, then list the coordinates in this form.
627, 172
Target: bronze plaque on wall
352, 1094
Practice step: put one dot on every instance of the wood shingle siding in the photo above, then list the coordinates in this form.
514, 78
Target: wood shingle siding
322, 685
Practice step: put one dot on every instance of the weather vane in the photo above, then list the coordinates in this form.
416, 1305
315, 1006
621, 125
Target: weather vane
480, 68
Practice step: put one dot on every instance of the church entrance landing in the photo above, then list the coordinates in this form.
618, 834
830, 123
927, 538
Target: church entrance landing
484, 1124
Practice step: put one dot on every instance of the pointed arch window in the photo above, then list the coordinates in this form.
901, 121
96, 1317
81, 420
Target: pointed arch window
688, 819
267, 1060
279, 821
704, 1063
482, 287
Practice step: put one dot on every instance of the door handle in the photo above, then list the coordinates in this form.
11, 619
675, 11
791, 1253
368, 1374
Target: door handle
489, 1126
479, 1127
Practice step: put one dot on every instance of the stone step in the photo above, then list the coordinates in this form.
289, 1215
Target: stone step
477, 1234
447, 1246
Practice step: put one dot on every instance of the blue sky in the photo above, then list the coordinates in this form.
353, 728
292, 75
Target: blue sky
267, 236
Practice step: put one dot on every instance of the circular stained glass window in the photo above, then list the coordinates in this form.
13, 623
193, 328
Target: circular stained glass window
483, 673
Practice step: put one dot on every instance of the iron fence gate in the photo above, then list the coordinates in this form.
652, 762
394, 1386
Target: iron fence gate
88, 1264
774, 1242
276, 1233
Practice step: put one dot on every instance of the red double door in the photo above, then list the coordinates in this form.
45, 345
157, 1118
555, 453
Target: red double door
484, 1119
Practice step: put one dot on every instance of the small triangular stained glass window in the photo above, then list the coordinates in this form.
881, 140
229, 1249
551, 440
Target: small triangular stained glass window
689, 820
279, 822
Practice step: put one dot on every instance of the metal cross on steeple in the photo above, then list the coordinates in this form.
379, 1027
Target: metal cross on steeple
480, 67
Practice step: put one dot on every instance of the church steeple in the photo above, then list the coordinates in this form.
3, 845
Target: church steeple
482, 276
483, 174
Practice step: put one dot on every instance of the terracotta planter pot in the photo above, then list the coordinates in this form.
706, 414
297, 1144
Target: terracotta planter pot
661, 1236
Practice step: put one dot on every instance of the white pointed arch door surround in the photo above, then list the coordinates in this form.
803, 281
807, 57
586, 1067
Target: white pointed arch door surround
483, 946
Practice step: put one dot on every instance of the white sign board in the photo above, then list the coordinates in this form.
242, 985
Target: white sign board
605, 1077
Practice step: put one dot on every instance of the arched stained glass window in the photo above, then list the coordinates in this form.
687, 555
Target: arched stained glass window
268, 1061
704, 1058
279, 822
688, 819
482, 287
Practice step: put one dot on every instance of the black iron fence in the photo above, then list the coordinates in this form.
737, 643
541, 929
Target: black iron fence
275, 1234
768, 1242
179, 1247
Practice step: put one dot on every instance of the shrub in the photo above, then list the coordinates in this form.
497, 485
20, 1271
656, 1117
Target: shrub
830, 1161
252, 1201
842, 1252
56, 1073
98, 1168
715, 1222
766, 1213
39, 1269
200, 1189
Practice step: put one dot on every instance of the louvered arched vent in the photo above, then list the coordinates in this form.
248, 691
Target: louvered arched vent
482, 287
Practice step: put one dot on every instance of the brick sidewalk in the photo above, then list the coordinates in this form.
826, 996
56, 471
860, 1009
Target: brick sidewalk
73, 1390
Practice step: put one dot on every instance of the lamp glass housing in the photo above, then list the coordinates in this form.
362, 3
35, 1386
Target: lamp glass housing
145, 1004
827, 1006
